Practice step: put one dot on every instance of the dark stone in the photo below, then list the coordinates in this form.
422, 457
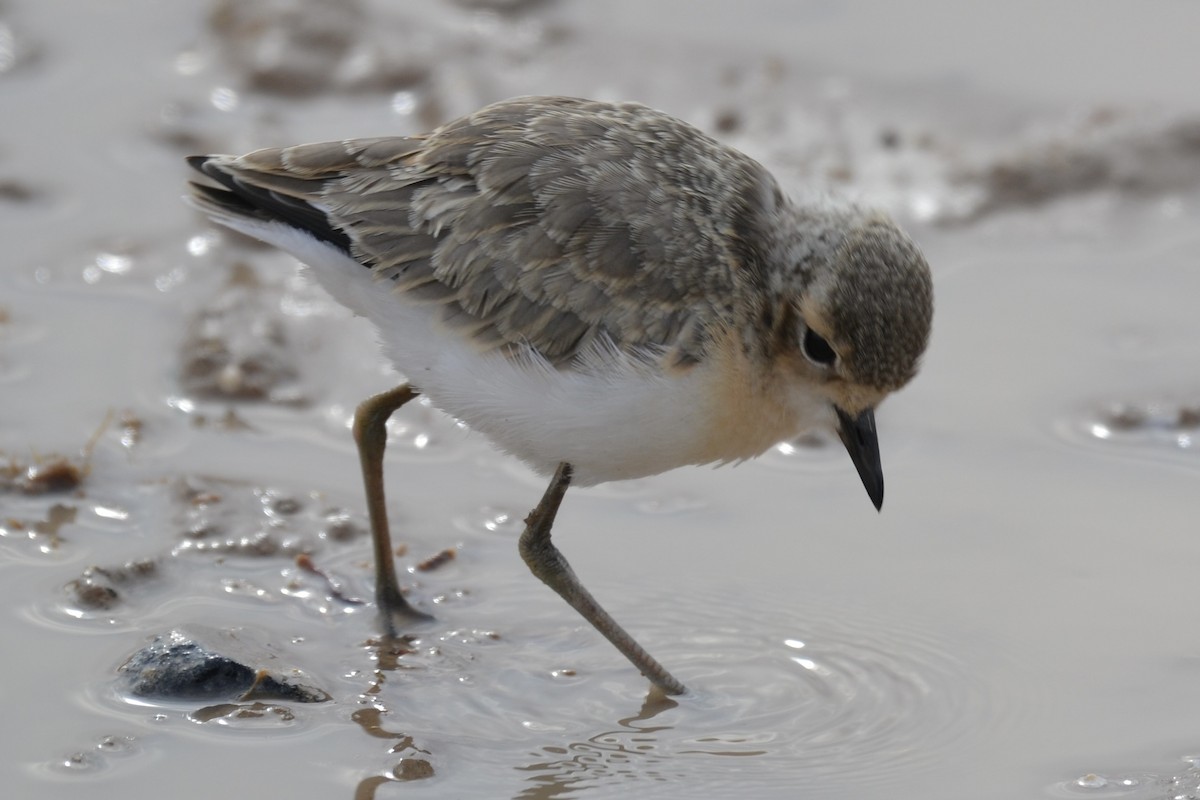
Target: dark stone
200, 663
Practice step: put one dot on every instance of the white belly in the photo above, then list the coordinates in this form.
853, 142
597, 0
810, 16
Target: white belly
613, 418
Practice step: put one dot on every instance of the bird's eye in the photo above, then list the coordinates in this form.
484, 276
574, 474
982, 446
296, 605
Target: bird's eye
817, 349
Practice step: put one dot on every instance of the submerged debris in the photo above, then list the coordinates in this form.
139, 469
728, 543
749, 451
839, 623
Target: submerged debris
42, 476
95, 589
44, 532
305, 563
1159, 417
242, 712
18, 192
233, 518
503, 6
50, 474
1164, 425
303, 47
413, 769
936, 177
437, 560
236, 347
1107, 151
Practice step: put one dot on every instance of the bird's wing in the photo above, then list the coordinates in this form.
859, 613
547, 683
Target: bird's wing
552, 222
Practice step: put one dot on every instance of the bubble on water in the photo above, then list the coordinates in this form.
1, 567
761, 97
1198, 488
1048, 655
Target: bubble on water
224, 98
491, 519
404, 103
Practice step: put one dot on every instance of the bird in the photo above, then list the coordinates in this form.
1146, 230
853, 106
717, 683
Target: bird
600, 289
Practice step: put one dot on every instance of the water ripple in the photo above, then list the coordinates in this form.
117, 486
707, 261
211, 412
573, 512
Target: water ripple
846, 701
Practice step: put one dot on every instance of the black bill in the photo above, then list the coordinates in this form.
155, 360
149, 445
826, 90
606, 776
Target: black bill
862, 443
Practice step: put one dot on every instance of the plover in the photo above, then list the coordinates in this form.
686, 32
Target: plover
602, 290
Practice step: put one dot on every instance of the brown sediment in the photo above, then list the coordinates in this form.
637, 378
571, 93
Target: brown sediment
50, 474
437, 560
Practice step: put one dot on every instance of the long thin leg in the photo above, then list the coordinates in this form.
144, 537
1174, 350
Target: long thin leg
370, 432
546, 562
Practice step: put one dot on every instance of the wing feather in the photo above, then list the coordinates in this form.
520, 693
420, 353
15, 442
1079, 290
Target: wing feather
552, 222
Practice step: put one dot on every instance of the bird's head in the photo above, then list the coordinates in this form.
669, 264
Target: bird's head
864, 314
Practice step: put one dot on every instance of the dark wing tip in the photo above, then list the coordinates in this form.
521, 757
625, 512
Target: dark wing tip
203, 165
244, 198
214, 198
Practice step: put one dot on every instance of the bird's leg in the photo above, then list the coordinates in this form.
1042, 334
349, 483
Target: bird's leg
370, 432
548, 564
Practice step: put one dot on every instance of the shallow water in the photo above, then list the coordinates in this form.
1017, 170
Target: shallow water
1014, 625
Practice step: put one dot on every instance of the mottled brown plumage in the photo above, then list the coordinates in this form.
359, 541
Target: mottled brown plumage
557, 222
